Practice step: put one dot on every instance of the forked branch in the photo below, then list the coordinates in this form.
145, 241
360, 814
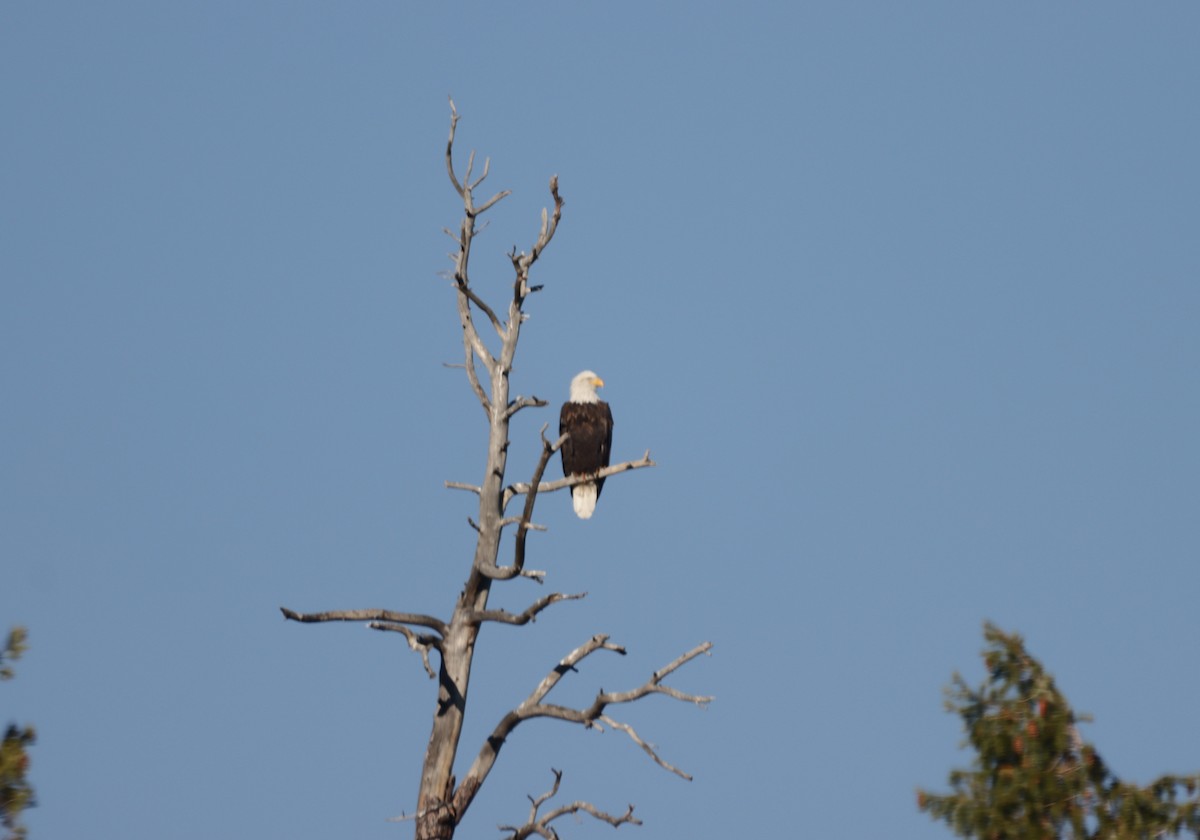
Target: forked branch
525, 524
435, 624
524, 402
473, 345
522, 262
466, 186
420, 642
386, 620
530, 613
539, 486
593, 716
541, 825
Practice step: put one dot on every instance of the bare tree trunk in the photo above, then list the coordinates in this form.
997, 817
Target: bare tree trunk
442, 802
437, 807
437, 814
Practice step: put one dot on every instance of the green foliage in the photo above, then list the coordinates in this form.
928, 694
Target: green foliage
16, 794
13, 649
1034, 777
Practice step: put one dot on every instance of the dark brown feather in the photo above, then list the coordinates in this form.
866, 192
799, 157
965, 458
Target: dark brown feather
587, 449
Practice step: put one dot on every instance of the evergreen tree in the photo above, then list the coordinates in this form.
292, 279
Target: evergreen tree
16, 794
1034, 777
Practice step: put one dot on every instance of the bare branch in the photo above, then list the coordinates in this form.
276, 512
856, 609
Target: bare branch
472, 374
530, 498
487, 205
488, 753
471, 185
577, 806
421, 643
418, 619
416, 815
550, 794
541, 826
470, 169
523, 262
534, 707
458, 485
570, 481
531, 612
666, 671
525, 523
473, 345
548, 226
567, 664
465, 188
524, 402
487, 167
629, 730
450, 149
513, 520
487, 310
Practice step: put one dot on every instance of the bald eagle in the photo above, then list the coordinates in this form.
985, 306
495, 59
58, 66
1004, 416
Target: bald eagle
589, 422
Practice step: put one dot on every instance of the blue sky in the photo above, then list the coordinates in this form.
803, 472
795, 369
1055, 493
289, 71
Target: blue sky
903, 298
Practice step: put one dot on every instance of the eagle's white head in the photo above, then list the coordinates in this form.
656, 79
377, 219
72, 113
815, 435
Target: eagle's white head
583, 387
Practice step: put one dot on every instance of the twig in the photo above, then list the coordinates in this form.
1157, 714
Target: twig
524, 402
514, 520
487, 205
530, 613
549, 226
421, 643
450, 149
632, 733
473, 345
416, 815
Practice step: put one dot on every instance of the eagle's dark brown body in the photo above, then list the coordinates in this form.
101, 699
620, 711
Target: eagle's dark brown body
590, 425
587, 449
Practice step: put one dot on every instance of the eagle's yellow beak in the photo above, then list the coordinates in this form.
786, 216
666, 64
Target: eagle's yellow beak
598, 382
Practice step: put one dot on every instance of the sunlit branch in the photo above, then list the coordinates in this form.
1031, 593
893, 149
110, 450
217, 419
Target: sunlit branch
368, 615
570, 481
534, 706
530, 613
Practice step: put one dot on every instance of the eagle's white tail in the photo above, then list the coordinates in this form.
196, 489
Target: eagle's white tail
584, 498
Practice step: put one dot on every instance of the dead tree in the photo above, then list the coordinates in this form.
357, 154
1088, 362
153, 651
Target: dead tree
442, 802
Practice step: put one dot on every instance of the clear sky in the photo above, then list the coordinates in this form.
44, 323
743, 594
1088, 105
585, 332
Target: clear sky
903, 297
